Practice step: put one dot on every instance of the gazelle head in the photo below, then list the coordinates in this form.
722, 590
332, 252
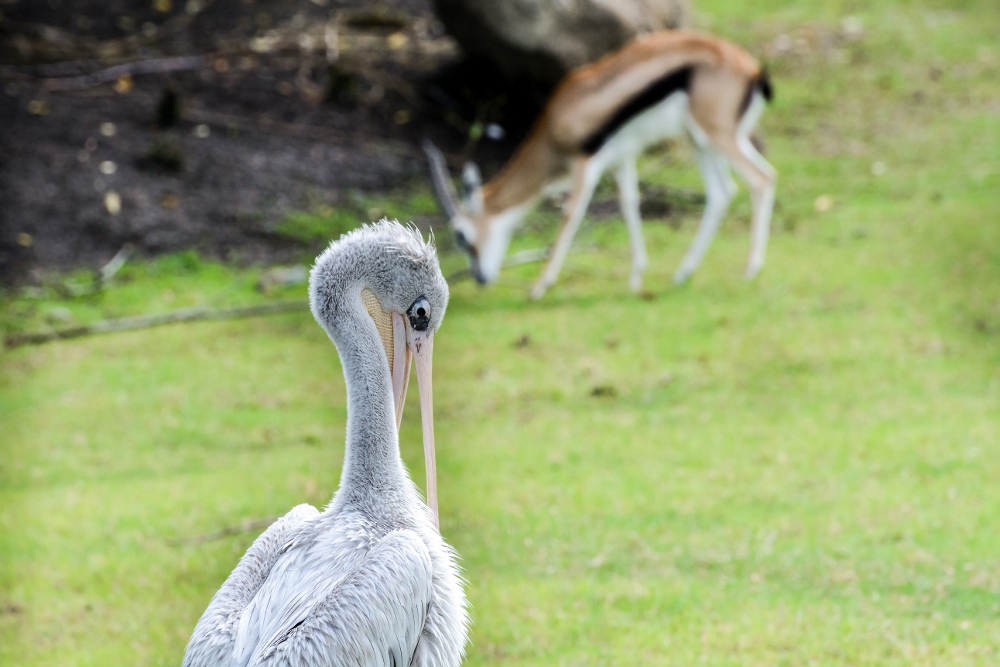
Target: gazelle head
482, 236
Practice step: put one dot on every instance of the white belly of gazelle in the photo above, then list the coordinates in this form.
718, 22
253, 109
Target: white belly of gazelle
659, 122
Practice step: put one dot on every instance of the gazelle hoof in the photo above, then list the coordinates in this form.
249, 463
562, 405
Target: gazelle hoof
538, 291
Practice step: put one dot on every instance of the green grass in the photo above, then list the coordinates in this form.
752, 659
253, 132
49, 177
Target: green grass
799, 470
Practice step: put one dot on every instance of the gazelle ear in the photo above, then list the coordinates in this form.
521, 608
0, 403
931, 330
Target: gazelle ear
470, 176
472, 188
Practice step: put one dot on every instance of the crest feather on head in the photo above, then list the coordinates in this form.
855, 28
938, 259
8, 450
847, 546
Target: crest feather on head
403, 240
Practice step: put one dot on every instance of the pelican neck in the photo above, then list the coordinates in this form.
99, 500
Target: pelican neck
372, 464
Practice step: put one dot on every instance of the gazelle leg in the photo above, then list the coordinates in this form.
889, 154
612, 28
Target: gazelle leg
763, 207
628, 196
585, 177
726, 175
761, 177
718, 193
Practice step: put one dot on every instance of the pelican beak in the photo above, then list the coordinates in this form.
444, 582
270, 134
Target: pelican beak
400, 364
419, 346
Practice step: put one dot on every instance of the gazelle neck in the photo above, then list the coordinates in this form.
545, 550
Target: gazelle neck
522, 180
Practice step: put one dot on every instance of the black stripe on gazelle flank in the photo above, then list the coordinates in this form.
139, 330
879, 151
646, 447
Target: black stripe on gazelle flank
653, 94
761, 82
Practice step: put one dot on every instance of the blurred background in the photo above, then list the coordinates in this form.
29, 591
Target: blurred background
796, 470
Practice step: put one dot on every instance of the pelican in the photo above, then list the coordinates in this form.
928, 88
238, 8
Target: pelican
369, 581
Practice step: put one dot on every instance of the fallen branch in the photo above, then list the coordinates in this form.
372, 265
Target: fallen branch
244, 527
461, 274
152, 66
148, 321
529, 256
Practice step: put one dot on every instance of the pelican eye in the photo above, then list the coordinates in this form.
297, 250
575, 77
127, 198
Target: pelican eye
419, 314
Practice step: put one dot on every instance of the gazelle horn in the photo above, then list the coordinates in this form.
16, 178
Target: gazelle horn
442, 182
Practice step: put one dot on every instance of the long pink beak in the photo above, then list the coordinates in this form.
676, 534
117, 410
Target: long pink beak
419, 346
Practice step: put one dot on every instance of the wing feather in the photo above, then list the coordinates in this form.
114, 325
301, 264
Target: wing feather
213, 638
372, 616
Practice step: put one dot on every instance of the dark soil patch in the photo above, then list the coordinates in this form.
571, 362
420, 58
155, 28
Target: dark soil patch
213, 157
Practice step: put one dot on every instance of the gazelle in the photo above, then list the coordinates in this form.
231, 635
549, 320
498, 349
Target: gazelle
602, 116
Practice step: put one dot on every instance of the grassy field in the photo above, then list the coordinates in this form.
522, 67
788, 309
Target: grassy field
799, 470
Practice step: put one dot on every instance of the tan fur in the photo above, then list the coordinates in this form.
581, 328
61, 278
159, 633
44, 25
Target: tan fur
533, 163
591, 94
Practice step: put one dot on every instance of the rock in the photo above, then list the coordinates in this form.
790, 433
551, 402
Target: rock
543, 39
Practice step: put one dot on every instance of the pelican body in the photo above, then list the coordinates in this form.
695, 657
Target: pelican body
369, 581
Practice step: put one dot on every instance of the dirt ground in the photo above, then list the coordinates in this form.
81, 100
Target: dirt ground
273, 107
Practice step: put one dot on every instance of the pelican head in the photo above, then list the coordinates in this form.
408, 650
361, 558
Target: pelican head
379, 294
